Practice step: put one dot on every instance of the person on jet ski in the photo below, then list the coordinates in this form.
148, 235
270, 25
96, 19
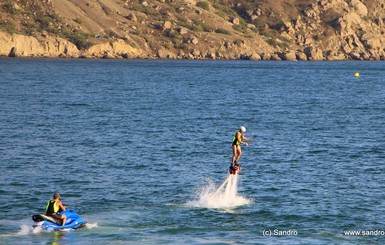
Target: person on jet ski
238, 139
53, 208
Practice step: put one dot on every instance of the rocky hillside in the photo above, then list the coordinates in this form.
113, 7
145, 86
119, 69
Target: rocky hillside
194, 29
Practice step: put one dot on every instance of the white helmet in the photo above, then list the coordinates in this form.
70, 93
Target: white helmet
243, 129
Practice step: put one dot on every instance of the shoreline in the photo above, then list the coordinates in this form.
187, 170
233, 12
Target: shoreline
21, 46
165, 59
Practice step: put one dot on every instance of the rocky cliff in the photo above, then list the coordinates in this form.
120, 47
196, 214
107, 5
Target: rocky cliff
193, 29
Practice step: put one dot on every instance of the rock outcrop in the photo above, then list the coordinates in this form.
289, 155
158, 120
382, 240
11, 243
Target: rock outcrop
14, 45
114, 49
350, 35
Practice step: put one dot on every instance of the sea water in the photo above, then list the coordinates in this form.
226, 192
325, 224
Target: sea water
140, 148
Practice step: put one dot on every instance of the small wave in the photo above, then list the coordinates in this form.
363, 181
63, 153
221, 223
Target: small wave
224, 197
76, 104
28, 229
91, 225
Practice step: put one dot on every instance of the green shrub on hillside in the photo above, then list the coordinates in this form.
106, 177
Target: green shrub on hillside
283, 46
10, 8
182, 46
222, 14
204, 5
144, 9
266, 34
183, 23
242, 27
272, 42
284, 43
78, 20
138, 32
223, 8
200, 26
79, 38
223, 31
172, 34
238, 42
8, 26
179, 43
254, 29
40, 23
45, 21
168, 45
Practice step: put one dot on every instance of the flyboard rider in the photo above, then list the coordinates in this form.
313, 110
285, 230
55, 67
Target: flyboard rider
238, 140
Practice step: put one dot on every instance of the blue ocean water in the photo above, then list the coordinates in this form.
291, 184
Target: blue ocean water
134, 145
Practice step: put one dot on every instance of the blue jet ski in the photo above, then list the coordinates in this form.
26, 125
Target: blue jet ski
48, 223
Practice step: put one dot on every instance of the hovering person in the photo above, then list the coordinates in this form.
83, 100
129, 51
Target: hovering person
238, 140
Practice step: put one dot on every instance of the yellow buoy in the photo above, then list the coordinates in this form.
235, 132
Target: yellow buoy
356, 74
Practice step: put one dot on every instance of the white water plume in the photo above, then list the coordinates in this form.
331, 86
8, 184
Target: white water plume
28, 229
225, 196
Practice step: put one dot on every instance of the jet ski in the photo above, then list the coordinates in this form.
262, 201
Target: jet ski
234, 168
74, 221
